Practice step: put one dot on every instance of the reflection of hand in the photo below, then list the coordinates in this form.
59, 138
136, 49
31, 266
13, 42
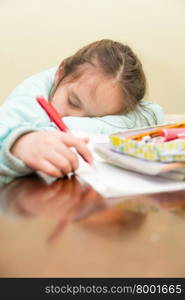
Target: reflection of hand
32, 196
91, 202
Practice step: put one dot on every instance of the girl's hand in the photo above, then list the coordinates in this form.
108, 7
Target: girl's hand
50, 153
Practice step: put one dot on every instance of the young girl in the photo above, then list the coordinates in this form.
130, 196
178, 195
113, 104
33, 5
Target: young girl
99, 89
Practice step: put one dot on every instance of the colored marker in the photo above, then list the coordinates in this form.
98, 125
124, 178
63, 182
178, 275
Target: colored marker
54, 116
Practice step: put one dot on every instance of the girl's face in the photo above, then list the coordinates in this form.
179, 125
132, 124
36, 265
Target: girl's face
90, 95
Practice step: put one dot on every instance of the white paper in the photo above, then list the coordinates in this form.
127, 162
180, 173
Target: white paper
112, 181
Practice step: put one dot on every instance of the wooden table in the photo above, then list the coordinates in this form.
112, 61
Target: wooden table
66, 229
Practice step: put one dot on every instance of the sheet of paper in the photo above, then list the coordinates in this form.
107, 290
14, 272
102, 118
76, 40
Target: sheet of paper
112, 181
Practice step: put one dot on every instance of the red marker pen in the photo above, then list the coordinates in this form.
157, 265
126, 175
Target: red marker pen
54, 116
52, 113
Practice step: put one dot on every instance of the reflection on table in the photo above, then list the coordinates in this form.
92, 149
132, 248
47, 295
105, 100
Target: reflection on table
68, 229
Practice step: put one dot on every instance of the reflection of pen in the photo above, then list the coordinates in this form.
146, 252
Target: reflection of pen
54, 116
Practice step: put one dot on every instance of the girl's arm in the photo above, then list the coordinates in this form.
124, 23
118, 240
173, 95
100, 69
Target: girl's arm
21, 114
22, 152
10, 166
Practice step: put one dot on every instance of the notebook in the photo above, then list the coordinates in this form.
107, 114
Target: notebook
174, 170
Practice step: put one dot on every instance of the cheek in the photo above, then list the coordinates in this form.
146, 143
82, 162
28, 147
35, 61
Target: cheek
109, 98
60, 101
110, 105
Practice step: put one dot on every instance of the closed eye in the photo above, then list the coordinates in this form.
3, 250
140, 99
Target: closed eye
73, 104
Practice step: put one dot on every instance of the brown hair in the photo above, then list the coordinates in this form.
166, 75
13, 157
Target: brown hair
117, 61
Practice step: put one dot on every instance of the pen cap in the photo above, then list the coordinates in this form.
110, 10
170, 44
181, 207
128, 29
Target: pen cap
172, 133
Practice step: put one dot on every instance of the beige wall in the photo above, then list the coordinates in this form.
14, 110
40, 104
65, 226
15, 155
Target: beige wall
36, 35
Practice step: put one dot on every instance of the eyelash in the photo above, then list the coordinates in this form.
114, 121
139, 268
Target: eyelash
72, 104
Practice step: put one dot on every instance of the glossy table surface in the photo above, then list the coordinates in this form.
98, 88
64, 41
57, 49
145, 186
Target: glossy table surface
67, 229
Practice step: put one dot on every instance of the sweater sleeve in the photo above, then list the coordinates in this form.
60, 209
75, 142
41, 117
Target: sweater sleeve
146, 114
19, 115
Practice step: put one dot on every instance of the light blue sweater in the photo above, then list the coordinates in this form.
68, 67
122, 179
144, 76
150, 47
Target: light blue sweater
21, 114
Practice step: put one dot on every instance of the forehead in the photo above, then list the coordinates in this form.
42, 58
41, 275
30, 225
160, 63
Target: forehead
96, 88
90, 76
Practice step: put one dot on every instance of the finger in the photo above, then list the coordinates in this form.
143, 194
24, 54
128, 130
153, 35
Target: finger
82, 149
49, 169
60, 162
79, 144
70, 155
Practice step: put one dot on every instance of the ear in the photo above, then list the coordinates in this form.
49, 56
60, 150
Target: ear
59, 73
